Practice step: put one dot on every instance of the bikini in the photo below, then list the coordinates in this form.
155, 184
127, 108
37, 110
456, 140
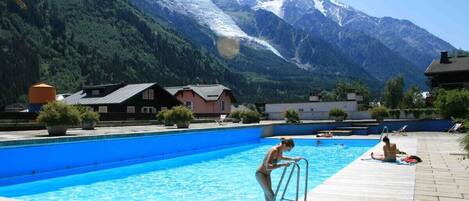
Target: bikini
274, 161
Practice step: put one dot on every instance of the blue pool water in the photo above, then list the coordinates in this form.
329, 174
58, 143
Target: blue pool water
221, 175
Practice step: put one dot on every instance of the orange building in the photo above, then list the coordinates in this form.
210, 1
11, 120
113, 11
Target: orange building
205, 100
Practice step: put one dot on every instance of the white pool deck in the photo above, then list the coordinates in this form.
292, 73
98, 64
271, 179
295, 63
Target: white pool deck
370, 179
442, 176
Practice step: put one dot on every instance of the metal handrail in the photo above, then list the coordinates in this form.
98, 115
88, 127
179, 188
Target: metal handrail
382, 132
306, 179
295, 166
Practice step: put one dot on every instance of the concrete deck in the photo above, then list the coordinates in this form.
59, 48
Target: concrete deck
443, 175
370, 179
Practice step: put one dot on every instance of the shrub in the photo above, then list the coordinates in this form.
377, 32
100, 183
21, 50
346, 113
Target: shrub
179, 114
407, 112
454, 103
165, 116
379, 113
395, 113
429, 111
58, 113
291, 116
250, 116
417, 113
161, 115
338, 113
89, 116
236, 114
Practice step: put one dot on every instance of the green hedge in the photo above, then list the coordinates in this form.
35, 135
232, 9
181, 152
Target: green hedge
337, 112
379, 113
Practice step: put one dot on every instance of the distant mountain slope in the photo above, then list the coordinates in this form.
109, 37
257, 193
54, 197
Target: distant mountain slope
402, 36
376, 58
307, 51
69, 43
404, 48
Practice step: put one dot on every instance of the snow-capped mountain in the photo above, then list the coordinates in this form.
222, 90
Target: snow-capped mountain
321, 36
402, 36
208, 14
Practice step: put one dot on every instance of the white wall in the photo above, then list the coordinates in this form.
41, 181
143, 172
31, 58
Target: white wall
321, 115
316, 106
316, 110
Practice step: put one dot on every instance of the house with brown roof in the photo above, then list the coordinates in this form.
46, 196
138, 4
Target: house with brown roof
449, 72
205, 100
146, 98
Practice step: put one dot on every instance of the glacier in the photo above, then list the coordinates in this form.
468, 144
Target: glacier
210, 15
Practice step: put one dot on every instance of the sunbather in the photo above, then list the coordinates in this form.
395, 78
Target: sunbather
329, 134
390, 152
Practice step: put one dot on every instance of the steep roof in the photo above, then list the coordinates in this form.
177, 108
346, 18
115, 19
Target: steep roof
118, 96
207, 92
459, 64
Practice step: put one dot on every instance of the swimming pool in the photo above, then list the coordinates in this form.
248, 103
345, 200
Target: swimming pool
220, 175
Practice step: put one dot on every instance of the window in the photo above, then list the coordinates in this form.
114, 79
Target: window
312, 109
222, 105
102, 109
300, 110
130, 109
95, 92
189, 104
148, 110
149, 94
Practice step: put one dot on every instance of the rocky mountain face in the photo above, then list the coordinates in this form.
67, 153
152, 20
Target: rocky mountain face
316, 35
403, 37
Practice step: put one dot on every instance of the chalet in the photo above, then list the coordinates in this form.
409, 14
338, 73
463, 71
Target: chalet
205, 100
449, 72
124, 98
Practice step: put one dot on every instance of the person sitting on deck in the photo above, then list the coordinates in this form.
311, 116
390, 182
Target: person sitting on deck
329, 134
390, 152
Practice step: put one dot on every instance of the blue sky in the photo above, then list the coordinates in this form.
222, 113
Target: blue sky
447, 19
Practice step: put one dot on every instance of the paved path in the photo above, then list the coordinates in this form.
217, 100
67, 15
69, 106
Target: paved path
443, 175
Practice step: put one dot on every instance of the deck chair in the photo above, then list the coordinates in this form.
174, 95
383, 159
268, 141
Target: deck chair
401, 131
221, 119
455, 128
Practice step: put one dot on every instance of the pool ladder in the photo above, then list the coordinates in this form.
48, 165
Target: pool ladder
295, 167
385, 128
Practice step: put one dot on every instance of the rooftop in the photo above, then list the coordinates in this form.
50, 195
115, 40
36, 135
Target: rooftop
115, 97
458, 64
210, 92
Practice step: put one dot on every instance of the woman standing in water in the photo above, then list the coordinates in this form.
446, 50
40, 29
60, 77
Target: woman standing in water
270, 162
